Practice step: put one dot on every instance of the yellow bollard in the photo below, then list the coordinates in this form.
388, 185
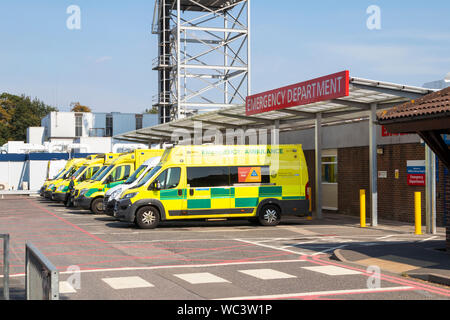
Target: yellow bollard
418, 212
362, 199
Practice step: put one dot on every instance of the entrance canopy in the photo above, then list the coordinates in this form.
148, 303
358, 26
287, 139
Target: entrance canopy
363, 95
343, 99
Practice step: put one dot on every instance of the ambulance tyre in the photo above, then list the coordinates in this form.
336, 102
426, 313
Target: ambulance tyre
97, 206
269, 215
147, 218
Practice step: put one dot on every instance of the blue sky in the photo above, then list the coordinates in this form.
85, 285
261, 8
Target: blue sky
107, 64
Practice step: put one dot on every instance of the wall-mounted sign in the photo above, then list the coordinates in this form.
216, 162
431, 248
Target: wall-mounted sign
324, 88
385, 133
416, 173
382, 174
447, 139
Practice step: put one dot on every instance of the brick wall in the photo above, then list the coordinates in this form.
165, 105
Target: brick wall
395, 197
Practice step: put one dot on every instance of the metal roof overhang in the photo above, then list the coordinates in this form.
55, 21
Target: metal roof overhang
363, 94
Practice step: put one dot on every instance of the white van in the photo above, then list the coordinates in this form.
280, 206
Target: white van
113, 194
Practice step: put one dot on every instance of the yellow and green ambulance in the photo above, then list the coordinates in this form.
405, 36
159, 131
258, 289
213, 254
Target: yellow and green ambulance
75, 191
85, 171
83, 174
259, 183
74, 165
91, 197
56, 177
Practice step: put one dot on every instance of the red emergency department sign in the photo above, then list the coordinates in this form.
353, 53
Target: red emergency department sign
321, 89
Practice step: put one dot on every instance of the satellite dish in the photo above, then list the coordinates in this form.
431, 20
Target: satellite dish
447, 77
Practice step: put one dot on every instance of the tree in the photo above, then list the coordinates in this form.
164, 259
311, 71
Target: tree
77, 107
153, 110
17, 113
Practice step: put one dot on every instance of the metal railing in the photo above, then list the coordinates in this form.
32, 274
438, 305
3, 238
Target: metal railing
41, 276
5, 238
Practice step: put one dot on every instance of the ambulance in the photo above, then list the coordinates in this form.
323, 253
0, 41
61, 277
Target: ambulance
85, 174
85, 171
259, 183
75, 165
117, 173
56, 177
75, 192
113, 194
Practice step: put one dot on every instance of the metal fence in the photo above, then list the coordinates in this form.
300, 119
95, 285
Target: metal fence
5, 238
41, 276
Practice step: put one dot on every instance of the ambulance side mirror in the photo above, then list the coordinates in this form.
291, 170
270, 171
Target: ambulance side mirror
155, 186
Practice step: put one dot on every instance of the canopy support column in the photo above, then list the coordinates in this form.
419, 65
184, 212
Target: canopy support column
430, 190
318, 171
373, 164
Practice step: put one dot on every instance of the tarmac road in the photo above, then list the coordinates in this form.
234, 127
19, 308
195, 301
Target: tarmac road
206, 260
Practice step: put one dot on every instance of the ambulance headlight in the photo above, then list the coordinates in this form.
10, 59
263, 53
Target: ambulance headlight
115, 194
61, 188
130, 195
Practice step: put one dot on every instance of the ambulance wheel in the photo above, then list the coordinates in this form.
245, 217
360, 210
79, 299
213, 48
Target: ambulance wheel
147, 218
270, 215
97, 206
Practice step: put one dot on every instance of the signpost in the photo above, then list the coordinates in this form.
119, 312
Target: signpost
416, 173
320, 89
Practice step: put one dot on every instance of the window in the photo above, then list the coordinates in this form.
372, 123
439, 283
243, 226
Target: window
169, 179
329, 169
208, 177
91, 172
109, 126
139, 118
120, 173
136, 174
78, 125
147, 177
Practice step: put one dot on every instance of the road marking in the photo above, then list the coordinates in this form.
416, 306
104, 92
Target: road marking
225, 264
127, 283
271, 247
332, 270
329, 249
267, 274
201, 278
320, 293
428, 239
65, 288
385, 237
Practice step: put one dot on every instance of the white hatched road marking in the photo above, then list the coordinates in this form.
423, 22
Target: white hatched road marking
267, 274
173, 267
256, 243
65, 287
201, 278
332, 270
127, 283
